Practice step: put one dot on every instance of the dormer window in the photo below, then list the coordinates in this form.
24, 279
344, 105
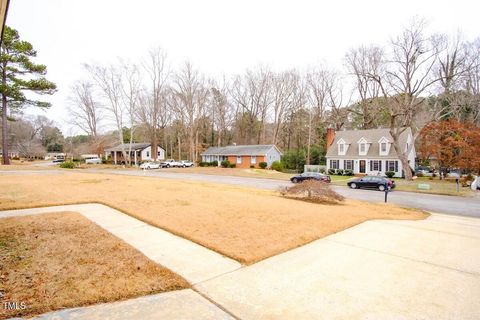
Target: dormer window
362, 147
342, 147
384, 146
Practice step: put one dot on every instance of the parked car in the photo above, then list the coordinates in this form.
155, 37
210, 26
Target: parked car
186, 163
371, 182
170, 163
93, 160
310, 176
59, 160
425, 171
150, 165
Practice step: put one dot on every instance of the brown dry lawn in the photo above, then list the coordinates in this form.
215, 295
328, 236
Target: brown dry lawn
63, 260
245, 224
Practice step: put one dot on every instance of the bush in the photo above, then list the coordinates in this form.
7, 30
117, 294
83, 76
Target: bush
348, 172
203, 164
322, 170
419, 174
213, 163
277, 166
263, 165
389, 174
312, 191
104, 160
16, 158
340, 172
225, 164
252, 166
233, 165
331, 171
67, 165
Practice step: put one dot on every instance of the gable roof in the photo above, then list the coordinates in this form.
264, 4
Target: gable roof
352, 137
135, 146
243, 150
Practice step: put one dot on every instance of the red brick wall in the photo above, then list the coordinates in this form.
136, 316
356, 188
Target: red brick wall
245, 161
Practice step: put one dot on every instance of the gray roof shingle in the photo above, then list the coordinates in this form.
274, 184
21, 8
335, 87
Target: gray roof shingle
135, 146
351, 137
243, 150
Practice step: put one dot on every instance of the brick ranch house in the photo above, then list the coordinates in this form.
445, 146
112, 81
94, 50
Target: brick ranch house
243, 156
367, 151
139, 152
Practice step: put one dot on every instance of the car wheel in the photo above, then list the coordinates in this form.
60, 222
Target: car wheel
381, 187
294, 180
184, 166
168, 166
353, 185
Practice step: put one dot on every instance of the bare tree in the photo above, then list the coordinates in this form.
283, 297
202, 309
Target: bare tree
85, 112
189, 99
359, 63
284, 87
153, 110
131, 89
404, 79
109, 81
222, 111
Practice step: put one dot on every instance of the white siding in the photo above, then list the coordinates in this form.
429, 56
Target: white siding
148, 150
271, 156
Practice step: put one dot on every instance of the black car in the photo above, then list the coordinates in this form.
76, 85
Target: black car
310, 176
372, 182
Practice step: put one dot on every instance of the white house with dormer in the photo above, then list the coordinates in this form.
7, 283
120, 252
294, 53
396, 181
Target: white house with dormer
368, 152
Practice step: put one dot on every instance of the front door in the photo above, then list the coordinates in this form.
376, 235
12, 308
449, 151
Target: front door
362, 166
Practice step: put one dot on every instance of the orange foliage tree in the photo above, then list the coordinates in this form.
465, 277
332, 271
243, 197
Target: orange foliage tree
453, 143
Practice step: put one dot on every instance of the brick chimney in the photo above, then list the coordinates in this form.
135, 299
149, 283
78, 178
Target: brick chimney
330, 137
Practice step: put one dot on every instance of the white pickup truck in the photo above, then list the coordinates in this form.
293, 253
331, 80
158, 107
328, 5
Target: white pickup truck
170, 163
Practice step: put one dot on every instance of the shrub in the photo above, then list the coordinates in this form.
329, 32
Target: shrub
263, 165
331, 171
16, 158
202, 164
104, 160
225, 164
340, 172
389, 174
213, 163
277, 166
348, 172
67, 165
312, 191
233, 165
419, 174
322, 170
252, 166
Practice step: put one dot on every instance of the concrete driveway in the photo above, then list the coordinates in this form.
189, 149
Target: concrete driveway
377, 270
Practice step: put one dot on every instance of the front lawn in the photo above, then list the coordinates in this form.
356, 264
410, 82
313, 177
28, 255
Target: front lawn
245, 224
63, 260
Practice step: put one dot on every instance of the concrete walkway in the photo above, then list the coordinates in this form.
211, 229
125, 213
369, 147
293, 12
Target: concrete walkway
186, 258
182, 304
377, 270
428, 269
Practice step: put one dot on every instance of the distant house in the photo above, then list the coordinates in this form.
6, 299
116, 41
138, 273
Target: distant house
243, 156
367, 151
139, 152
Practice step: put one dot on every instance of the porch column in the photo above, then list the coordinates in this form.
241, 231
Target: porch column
115, 157
135, 155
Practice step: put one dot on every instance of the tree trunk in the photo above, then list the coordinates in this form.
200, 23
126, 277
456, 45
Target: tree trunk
6, 160
179, 148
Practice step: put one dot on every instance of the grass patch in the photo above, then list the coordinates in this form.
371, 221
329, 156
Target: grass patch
62, 260
245, 224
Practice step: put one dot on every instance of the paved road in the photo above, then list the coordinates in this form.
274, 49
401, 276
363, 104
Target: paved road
435, 203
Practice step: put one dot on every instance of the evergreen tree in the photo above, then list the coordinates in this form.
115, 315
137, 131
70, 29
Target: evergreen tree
18, 75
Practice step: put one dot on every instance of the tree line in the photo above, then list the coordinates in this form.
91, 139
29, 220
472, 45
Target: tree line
414, 79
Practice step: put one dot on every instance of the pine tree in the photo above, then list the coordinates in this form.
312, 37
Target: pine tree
19, 75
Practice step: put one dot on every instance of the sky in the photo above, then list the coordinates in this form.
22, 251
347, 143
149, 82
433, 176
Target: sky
218, 36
